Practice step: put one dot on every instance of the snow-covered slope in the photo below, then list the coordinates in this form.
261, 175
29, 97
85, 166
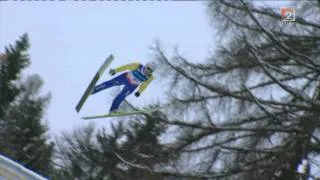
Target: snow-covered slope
12, 170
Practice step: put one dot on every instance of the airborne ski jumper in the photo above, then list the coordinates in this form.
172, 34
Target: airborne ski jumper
138, 75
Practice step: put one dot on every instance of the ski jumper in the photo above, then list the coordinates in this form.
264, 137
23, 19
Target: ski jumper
131, 80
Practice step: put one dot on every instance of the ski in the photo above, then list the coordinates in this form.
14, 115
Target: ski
93, 82
117, 114
112, 115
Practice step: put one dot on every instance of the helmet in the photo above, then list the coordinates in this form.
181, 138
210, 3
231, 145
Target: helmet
151, 65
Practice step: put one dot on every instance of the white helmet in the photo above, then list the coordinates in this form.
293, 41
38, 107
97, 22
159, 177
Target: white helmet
152, 65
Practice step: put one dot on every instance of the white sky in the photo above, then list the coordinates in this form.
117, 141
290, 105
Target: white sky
70, 40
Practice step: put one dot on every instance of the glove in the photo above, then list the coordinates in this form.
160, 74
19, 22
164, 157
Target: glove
112, 72
137, 94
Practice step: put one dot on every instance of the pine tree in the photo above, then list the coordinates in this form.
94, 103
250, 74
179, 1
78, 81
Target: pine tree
124, 153
144, 148
10, 70
23, 135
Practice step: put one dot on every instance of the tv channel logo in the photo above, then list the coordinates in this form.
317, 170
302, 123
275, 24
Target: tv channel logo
288, 14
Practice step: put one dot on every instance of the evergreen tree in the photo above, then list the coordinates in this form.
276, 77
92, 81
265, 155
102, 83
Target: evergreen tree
10, 70
124, 153
23, 134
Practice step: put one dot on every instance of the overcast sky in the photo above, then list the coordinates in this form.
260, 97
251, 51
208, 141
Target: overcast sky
70, 40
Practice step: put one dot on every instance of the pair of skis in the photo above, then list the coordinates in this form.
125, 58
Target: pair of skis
92, 84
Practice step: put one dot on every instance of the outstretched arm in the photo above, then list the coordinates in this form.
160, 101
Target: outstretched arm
131, 66
144, 85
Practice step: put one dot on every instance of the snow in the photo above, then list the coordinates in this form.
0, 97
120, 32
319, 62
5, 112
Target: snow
12, 170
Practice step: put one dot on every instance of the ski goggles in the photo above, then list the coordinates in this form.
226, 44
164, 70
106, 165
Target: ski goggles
149, 69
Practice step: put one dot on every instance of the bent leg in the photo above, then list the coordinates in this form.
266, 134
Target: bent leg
127, 90
118, 80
